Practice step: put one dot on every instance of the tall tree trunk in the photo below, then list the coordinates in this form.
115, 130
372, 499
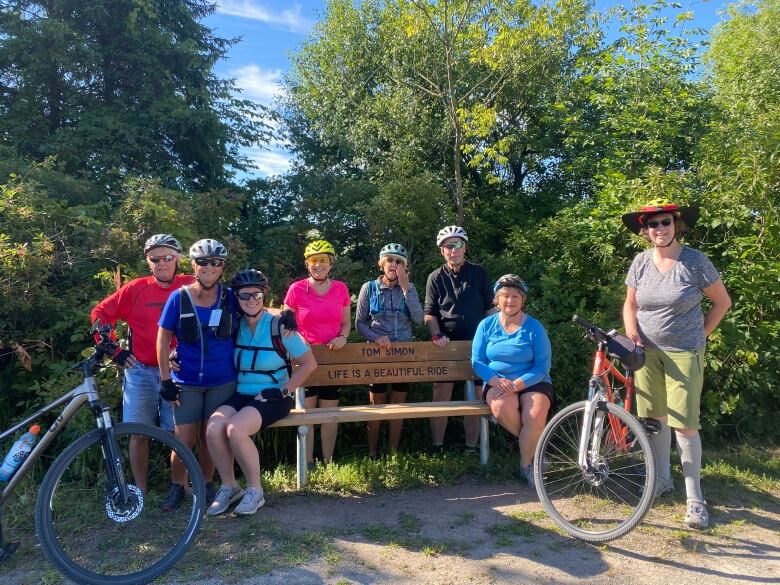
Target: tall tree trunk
456, 161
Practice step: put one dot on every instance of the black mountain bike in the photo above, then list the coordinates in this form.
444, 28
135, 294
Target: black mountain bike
94, 522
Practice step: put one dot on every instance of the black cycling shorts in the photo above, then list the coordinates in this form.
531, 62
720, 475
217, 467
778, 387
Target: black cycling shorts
324, 392
269, 411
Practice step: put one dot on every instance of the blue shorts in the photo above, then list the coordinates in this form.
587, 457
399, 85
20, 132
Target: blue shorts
141, 400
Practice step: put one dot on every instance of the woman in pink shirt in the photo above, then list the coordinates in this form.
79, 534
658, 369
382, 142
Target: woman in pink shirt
321, 307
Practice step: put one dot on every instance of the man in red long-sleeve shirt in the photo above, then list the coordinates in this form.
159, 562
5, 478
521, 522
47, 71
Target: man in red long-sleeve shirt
139, 303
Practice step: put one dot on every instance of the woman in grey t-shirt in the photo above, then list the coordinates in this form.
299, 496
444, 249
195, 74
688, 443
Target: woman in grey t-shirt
662, 312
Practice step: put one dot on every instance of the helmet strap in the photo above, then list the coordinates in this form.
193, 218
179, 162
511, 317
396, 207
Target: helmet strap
314, 278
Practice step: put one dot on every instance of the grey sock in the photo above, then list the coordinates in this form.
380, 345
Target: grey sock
690, 456
662, 445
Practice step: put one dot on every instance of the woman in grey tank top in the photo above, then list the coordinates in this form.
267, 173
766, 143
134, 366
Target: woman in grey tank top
662, 312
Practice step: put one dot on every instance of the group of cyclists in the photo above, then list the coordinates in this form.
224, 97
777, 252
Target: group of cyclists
230, 373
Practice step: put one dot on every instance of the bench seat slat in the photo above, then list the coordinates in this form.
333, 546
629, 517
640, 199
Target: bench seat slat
362, 413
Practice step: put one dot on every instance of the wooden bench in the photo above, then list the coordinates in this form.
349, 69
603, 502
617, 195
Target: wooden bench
367, 363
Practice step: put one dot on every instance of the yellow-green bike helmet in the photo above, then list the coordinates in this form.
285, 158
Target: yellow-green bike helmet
319, 247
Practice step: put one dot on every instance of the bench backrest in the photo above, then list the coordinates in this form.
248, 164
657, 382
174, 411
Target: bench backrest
367, 363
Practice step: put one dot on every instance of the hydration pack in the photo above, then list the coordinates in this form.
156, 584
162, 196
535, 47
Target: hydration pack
277, 346
190, 327
376, 300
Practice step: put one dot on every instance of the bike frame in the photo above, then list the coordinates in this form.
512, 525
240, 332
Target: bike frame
86, 392
600, 391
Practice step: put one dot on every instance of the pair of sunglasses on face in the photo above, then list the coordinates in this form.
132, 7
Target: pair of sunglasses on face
454, 245
654, 223
255, 296
158, 259
215, 262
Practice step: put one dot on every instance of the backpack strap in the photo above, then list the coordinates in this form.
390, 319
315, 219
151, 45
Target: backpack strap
278, 344
189, 326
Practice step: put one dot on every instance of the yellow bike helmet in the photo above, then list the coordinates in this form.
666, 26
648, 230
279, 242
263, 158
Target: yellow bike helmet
319, 247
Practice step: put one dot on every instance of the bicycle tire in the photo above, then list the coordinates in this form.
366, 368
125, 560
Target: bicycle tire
610, 499
75, 514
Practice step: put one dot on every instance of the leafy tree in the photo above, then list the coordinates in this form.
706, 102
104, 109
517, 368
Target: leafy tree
115, 87
439, 85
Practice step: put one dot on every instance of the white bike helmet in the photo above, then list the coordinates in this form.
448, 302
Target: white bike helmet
451, 231
207, 248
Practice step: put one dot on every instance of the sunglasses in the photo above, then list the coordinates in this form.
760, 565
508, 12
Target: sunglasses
655, 223
255, 296
158, 259
454, 245
215, 262
394, 261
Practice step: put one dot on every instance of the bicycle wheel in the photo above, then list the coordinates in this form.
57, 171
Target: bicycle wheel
91, 536
611, 496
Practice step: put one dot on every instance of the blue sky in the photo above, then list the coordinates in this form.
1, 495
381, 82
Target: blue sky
271, 29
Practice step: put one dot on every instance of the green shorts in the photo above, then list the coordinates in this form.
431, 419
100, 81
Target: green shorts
670, 385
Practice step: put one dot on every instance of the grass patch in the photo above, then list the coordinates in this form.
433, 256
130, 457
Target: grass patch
361, 475
525, 525
409, 522
748, 470
464, 519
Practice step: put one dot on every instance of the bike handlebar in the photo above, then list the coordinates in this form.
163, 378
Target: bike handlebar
594, 333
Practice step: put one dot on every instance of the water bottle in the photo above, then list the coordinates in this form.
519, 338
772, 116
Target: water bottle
19, 453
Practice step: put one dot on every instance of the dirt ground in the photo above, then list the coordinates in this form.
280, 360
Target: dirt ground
498, 533
472, 532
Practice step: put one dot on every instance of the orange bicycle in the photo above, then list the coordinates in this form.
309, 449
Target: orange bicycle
594, 464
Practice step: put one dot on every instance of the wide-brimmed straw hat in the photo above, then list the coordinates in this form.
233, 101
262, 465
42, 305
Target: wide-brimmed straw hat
636, 220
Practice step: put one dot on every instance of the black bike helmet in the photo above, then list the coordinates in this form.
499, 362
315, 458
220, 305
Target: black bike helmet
208, 248
162, 241
511, 281
249, 277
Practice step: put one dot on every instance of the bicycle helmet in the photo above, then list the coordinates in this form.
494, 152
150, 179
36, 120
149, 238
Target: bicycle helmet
396, 250
319, 247
511, 281
249, 277
162, 241
451, 231
208, 248
635, 221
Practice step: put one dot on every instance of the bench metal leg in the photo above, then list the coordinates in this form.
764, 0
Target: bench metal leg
484, 445
483, 425
300, 394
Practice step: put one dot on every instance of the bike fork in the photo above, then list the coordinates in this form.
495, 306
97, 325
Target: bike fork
112, 456
592, 425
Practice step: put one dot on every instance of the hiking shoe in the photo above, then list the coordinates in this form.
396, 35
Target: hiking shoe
226, 495
696, 516
252, 501
528, 473
436, 450
173, 499
664, 486
470, 449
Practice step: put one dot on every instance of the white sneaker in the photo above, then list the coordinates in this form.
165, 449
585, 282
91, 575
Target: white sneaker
696, 515
252, 501
226, 495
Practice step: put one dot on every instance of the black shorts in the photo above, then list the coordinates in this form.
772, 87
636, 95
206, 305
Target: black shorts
382, 388
324, 392
541, 387
269, 411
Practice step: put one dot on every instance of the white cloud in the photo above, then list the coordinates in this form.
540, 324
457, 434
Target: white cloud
268, 162
290, 20
258, 84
